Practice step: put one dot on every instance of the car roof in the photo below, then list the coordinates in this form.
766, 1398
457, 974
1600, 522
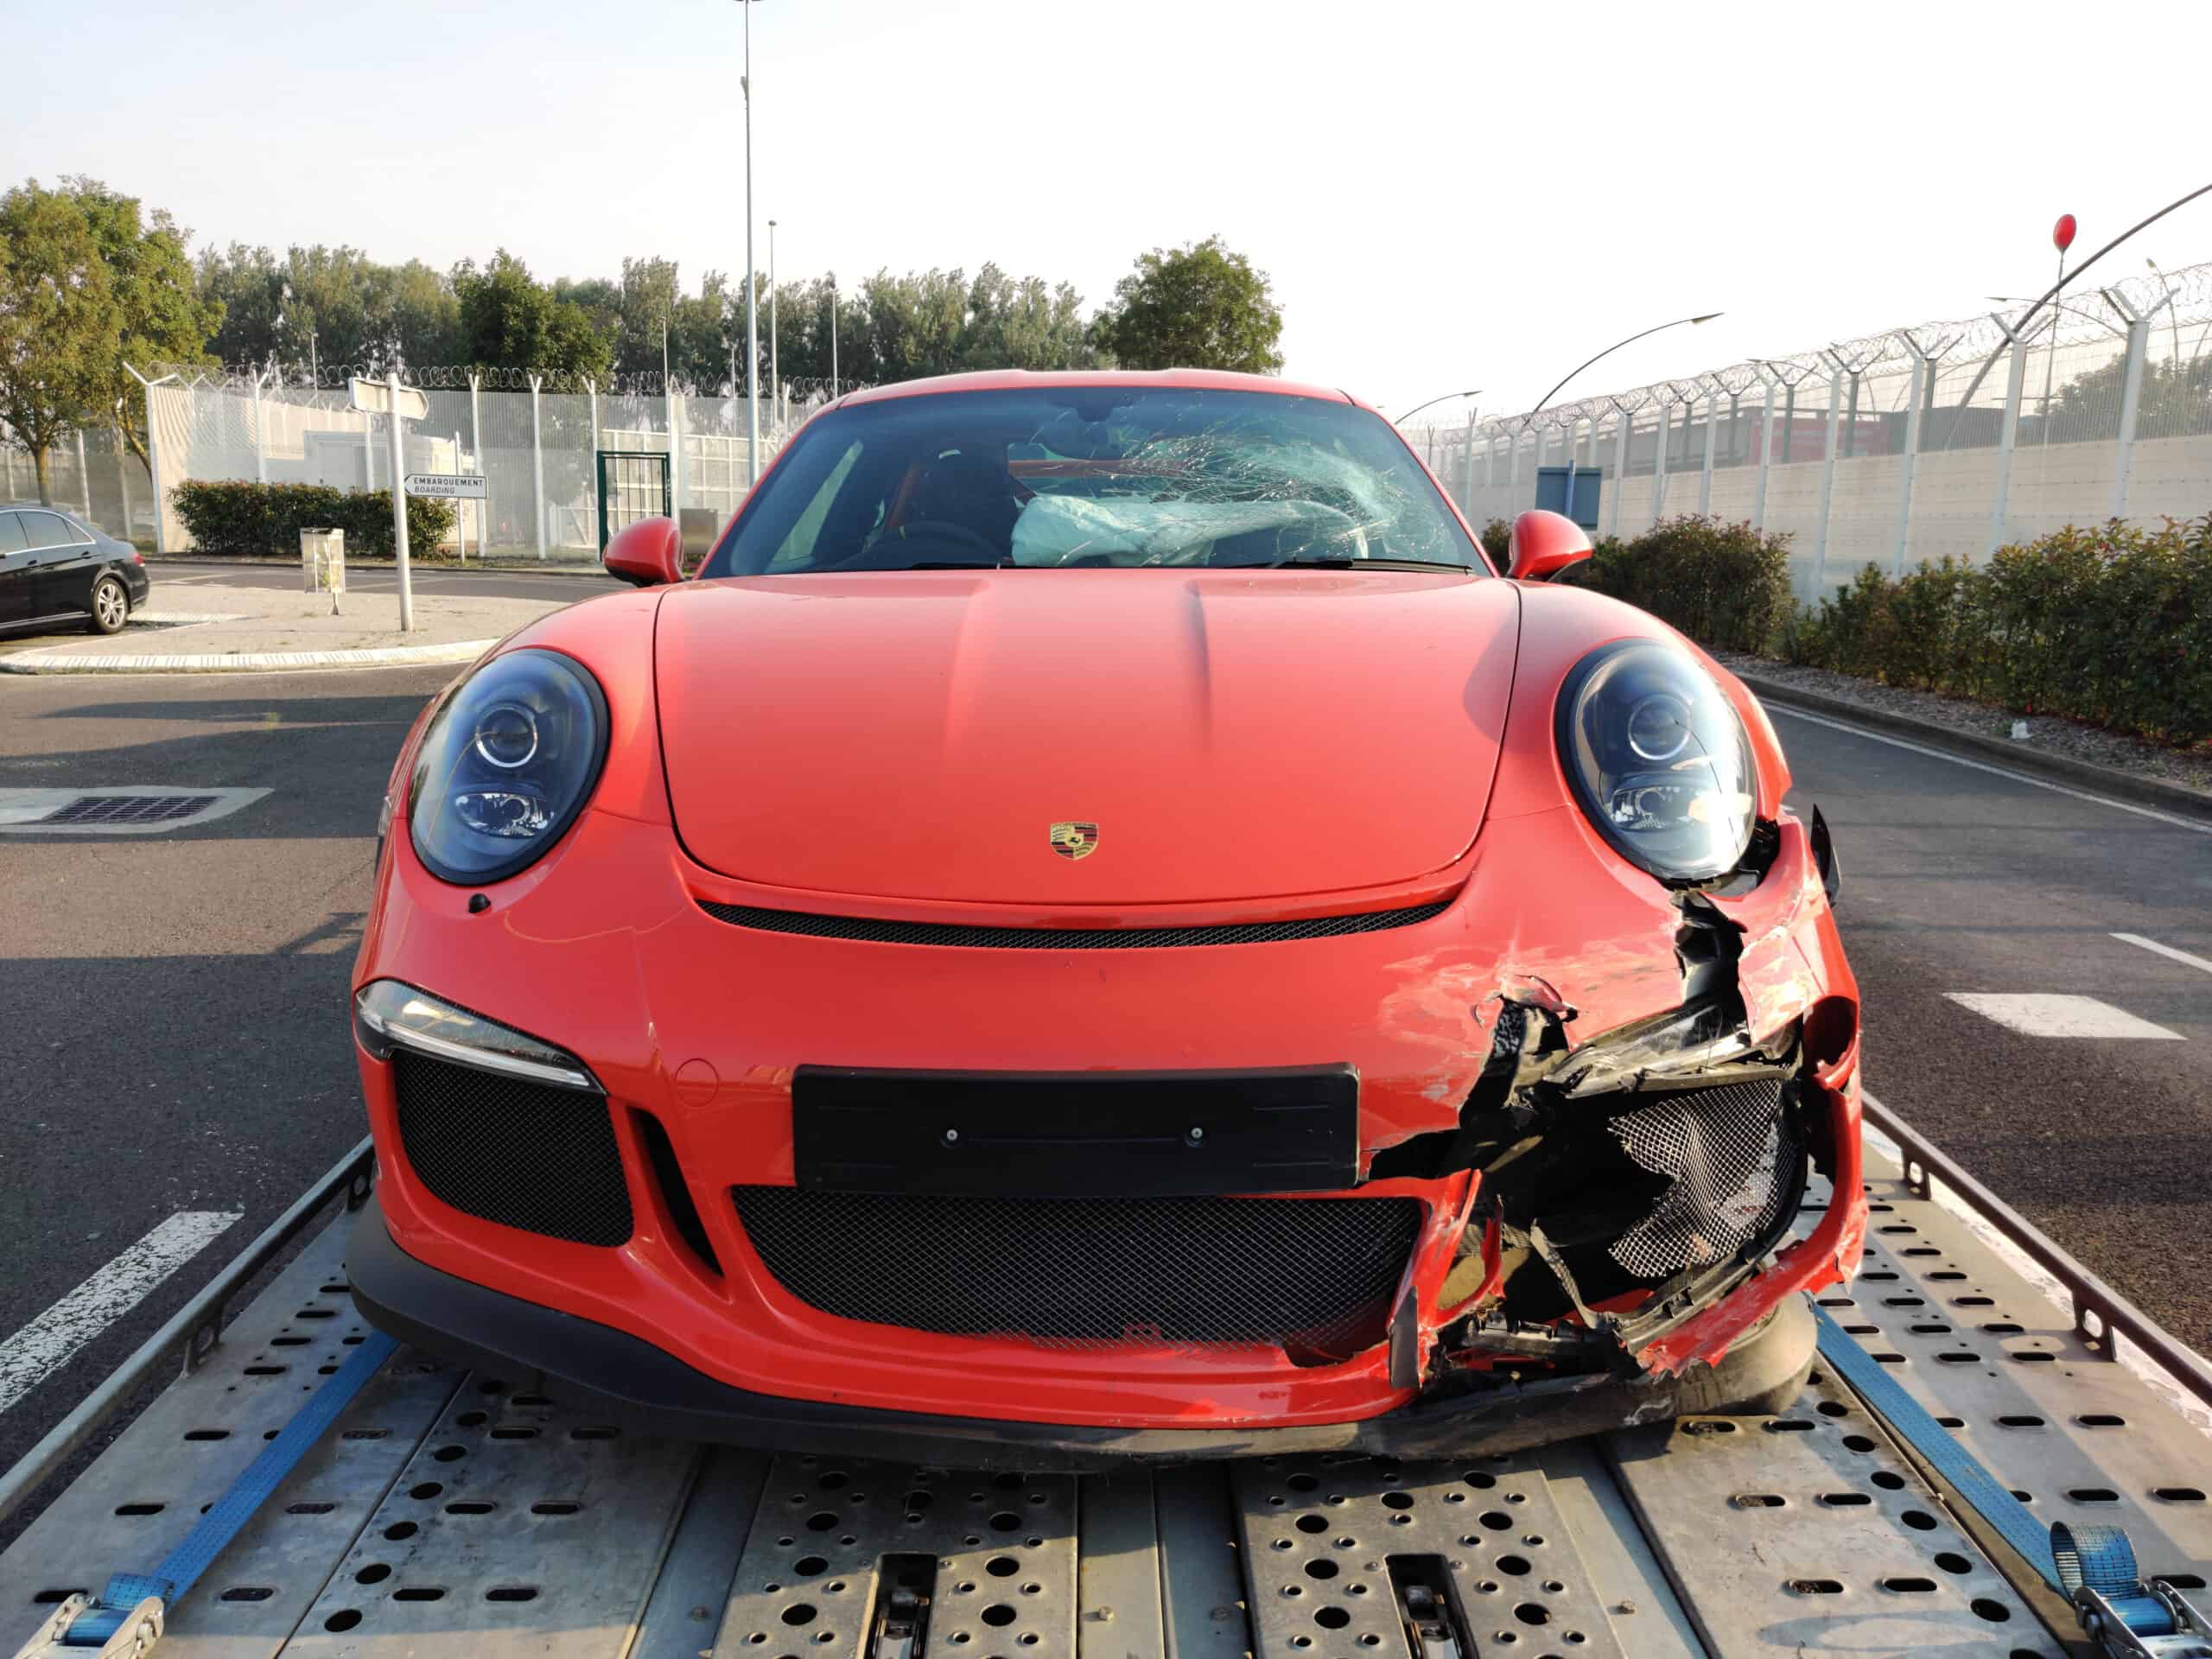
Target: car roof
1019, 379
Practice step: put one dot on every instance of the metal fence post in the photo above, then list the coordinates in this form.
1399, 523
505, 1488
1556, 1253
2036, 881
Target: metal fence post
598, 506
1923, 370
83, 476
1513, 469
1828, 481
2131, 393
1659, 456
1468, 488
1620, 466
1766, 445
1712, 433
476, 445
398, 437
537, 466
2007, 436
675, 442
153, 457
260, 443
122, 480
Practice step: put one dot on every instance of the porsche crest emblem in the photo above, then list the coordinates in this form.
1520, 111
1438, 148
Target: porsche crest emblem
1074, 840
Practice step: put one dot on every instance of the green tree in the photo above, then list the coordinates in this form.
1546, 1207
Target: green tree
162, 317
1201, 306
87, 284
510, 319
332, 306
651, 289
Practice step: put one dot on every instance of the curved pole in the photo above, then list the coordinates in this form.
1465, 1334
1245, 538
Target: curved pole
2051, 293
1432, 403
1608, 352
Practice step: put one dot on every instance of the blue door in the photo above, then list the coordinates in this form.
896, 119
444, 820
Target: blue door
1552, 492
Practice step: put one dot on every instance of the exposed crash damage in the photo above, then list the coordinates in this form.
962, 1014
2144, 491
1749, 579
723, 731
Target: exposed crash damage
1630, 1181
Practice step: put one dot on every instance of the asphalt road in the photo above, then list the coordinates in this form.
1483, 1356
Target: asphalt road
175, 1033
1960, 881
173, 1026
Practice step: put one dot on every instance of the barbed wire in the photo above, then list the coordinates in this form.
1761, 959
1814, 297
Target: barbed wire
2087, 319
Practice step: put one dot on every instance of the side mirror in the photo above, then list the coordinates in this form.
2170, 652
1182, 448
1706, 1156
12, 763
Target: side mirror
647, 554
1543, 545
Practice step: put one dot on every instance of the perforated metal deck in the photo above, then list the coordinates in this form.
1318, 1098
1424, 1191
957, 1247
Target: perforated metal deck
467, 1515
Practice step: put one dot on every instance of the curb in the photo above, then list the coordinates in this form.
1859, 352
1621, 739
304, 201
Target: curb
2056, 768
516, 568
54, 660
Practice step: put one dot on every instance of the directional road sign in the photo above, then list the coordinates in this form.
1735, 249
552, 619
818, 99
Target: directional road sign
448, 486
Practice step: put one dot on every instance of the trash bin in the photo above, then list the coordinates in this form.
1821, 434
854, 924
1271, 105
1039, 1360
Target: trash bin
323, 561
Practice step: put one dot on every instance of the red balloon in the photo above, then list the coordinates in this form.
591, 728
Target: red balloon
2061, 234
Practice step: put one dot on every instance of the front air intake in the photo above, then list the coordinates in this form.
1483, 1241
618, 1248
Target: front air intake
523, 1154
1731, 1161
1317, 1276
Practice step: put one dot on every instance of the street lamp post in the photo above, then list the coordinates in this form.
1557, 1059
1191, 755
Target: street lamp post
833, 337
751, 310
1608, 352
775, 377
1677, 323
1431, 404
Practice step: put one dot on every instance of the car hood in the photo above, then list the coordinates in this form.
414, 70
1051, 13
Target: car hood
1231, 734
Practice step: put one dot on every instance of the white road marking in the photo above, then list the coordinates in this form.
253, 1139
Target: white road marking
2060, 1016
48, 1341
1994, 771
2164, 950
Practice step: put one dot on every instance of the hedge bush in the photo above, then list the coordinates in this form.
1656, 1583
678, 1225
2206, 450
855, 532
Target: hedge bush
1726, 586
2110, 624
249, 518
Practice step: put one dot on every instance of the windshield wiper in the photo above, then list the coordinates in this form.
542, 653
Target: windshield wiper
957, 564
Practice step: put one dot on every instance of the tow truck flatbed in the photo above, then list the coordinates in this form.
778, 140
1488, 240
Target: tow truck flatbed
448, 1512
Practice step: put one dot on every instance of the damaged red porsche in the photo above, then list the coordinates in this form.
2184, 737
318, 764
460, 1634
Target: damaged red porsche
1098, 925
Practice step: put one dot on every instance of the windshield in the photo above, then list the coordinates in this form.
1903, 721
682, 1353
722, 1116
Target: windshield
1093, 475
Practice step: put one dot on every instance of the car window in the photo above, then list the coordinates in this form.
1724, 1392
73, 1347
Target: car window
11, 535
1094, 475
50, 530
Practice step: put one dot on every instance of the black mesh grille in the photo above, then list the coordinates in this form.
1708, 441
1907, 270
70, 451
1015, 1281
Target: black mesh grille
879, 932
1314, 1275
523, 1154
128, 809
1732, 1156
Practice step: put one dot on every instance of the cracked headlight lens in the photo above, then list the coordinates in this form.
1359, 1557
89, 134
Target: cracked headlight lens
506, 765
1658, 760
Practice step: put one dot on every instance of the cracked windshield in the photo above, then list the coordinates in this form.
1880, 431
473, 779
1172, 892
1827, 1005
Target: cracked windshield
1087, 477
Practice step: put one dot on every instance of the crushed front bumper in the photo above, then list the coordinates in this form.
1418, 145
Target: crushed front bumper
640, 1386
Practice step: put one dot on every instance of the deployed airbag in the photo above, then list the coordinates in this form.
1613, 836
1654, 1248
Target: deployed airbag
1060, 528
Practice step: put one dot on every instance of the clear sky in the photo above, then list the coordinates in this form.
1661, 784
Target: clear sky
1446, 195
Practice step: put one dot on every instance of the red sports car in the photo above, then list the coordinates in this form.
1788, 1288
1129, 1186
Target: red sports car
1098, 925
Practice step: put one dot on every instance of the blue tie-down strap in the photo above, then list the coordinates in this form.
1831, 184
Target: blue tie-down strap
181, 1570
2068, 1557
1934, 1443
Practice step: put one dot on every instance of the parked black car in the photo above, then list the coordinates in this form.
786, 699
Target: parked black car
55, 567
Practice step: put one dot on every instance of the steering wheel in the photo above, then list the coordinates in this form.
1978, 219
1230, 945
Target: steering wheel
956, 537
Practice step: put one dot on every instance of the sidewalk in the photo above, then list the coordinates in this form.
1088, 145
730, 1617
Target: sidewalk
239, 630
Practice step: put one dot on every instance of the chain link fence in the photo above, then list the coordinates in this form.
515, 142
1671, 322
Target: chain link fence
1948, 438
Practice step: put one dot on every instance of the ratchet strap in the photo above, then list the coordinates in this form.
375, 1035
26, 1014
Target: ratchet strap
2099, 1560
126, 1592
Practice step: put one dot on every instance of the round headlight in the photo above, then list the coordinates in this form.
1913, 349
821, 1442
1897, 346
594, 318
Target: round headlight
1659, 760
506, 765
